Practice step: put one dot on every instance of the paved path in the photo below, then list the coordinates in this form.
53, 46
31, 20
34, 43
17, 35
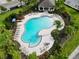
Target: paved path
74, 54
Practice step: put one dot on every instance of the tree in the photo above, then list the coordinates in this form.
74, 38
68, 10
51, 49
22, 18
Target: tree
61, 57
33, 56
8, 21
56, 49
9, 0
8, 47
59, 4
3, 8
55, 34
58, 24
51, 57
69, 30
26, 1
2, 54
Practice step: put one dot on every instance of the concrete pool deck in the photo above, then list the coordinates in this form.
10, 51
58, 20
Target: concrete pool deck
45, 34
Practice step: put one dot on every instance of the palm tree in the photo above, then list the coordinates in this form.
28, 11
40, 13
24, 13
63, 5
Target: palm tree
58, 24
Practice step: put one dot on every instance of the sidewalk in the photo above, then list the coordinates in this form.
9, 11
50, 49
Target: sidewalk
74, 54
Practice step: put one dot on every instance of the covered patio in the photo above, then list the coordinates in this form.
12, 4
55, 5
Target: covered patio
47, 5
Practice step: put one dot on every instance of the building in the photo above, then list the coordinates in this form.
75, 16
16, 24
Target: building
10, 4
46, 5
72, 3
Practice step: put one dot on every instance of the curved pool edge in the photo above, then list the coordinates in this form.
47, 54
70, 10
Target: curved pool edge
46, 20
24, 46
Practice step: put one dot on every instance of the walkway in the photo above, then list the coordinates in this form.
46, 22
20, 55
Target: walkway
74, 54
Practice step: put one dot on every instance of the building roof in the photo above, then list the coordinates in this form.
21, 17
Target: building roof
47, 3
73, 3
11, 4
5, 1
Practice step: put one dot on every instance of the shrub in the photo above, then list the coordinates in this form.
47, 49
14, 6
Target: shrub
2, 8
8, 21
9, 0
58, 23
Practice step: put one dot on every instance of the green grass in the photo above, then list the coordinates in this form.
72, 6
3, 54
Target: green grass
16, 54
4, 15
6, 37
2, 54
72, 43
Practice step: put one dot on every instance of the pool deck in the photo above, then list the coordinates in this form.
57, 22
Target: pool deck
46, 42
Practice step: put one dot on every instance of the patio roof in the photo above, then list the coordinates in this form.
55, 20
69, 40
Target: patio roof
47, 3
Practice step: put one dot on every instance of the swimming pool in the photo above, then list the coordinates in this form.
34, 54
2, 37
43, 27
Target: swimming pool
32, 27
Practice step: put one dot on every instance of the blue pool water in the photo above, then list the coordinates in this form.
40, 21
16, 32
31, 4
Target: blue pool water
33, 27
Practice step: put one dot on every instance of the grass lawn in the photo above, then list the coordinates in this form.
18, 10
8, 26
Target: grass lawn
4, 15
72, 43
16, 54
